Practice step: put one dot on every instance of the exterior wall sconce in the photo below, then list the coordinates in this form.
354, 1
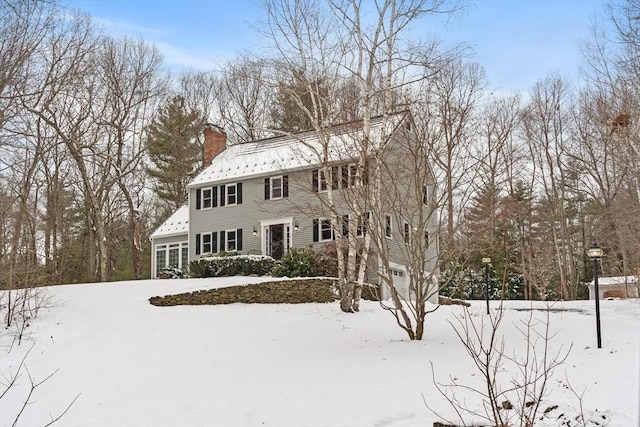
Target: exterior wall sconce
295, 226
255, 230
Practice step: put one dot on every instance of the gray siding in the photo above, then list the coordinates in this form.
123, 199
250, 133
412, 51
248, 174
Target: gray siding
303, 205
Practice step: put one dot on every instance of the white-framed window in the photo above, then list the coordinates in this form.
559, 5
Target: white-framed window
276, 187
207, 198
345, 225
184, 255
350, 175
425, 195
172, 255
427, 241
231, 243
388, 231
161, 257
232, 194
326, 232
324, 179
322, 230
363, 224
206, 243
397, 273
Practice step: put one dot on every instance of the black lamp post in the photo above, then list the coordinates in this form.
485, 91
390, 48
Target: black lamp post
486, 262
595, 253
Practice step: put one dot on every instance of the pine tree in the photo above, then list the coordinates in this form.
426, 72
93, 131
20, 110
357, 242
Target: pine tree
174, 148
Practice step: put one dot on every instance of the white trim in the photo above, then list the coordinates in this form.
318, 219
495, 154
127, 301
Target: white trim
202, 190
264, 233
271, 196
166, 247
226, 194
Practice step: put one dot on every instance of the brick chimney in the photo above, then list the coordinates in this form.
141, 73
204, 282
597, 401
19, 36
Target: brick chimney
215, 142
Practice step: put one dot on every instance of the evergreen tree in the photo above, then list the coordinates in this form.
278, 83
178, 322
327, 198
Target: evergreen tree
174, 148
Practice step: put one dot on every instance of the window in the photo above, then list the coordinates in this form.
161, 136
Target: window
322, 231
349, 175
426, 240
174, 255
161, 257
387, 226
232, 194
323, 181
276, 187
363, 224
345, 225
326, 233
206, 243
425, 195
407, 232
184, 256
320, 180
207, 198
231, 241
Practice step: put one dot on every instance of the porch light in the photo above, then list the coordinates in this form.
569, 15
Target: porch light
255, 230
295, 226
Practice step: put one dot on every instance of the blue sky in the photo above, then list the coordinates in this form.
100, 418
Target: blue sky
517, 41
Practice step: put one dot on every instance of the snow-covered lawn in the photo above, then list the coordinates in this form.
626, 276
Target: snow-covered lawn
134, 364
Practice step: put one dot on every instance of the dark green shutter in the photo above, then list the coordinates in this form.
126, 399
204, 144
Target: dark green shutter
316, 236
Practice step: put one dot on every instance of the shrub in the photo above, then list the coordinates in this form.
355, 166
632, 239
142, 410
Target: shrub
171, 273
298, 263
231, 265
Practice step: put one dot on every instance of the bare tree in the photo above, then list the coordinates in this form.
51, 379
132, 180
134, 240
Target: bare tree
134, 83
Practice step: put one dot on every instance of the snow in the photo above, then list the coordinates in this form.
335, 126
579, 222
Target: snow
290, 153
176, 224
291, 365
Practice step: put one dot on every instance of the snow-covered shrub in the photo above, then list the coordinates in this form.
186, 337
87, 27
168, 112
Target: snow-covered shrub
171, 273
232, 265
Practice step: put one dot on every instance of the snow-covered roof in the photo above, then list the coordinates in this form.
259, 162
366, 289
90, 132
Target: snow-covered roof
615, 281
176, 224
291, 152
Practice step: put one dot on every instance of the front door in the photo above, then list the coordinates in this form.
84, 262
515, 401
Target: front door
276, 241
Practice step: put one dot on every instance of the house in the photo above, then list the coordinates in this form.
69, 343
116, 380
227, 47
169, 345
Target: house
268, 196
618, 287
